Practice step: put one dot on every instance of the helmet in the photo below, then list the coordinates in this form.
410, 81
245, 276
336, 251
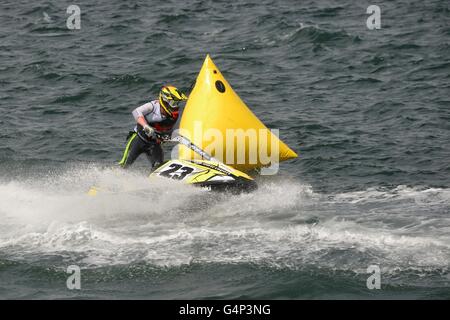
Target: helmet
169, 98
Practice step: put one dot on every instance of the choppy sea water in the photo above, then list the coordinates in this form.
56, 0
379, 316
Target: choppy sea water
368, 111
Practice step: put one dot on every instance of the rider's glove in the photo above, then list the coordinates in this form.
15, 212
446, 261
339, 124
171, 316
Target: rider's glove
165, 137
149, 131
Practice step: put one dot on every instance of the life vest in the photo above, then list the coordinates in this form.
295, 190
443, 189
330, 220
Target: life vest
166, 125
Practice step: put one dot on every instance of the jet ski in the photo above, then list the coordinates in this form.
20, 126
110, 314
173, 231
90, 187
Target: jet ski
207, 172
214, 105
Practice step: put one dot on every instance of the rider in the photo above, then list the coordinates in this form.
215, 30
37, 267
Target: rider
154, 119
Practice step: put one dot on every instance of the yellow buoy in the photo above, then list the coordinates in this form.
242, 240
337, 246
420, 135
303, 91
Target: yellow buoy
218, 121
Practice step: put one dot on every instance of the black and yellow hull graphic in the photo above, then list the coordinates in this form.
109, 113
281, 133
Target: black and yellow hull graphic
207, 174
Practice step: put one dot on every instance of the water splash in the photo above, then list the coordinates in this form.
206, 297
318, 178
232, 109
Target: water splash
284, 224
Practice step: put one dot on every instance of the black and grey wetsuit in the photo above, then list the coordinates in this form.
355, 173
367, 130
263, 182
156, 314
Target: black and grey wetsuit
138, 142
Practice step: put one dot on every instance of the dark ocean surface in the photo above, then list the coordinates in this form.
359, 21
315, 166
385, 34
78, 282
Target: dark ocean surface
368, 112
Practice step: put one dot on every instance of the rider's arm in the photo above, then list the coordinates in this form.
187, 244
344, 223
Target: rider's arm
141, 120
140, 112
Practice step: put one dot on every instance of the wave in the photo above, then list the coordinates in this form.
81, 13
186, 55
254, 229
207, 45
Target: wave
125, 79
318, 35
284, 224
78, 96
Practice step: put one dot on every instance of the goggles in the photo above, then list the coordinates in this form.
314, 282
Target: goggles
173, 104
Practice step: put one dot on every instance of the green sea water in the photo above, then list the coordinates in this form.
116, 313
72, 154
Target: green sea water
368, 112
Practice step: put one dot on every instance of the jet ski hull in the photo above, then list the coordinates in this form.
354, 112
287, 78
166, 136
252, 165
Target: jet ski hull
210, 175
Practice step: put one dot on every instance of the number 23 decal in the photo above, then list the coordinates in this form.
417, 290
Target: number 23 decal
173, 171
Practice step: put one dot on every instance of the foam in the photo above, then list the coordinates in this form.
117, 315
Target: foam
166, 224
